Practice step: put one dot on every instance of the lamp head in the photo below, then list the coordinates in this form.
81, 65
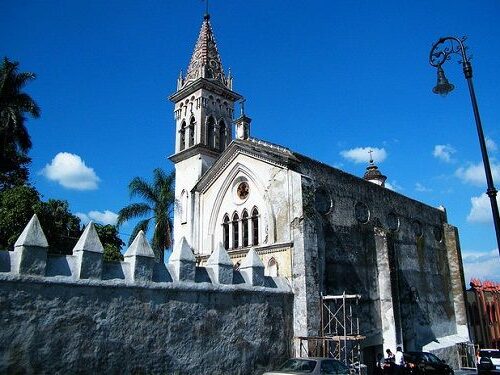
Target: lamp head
443, 87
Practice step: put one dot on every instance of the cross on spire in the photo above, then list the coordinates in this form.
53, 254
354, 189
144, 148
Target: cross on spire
206, 8
371, 158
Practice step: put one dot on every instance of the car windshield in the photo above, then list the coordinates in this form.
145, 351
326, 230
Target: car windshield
302, 365
432, 358
489, 353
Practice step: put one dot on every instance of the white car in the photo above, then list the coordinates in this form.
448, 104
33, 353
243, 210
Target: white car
488, 361
296, 366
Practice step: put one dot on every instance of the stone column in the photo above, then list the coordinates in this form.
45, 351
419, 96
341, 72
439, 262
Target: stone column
388, 321
457, 282
250, 231
240, 233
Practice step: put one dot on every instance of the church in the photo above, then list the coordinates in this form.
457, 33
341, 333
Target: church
324, 230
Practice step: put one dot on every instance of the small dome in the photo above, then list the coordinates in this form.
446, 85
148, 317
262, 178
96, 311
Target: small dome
372, 174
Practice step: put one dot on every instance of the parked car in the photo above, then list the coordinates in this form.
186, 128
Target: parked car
426, 363
488, 361
311, 366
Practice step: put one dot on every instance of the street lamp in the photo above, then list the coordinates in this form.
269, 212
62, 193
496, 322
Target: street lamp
441, 51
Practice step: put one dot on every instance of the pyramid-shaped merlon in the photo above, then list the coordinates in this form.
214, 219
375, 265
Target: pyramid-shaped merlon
219, 257
89, 240
32, 235
140, 247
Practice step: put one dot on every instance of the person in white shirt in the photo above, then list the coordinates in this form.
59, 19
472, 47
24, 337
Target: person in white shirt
399, 361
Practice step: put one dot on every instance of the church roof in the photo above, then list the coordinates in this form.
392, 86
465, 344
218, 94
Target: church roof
284, 157
205, 61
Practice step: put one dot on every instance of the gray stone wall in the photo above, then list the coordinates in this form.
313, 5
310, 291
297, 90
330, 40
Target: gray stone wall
51, 327
346, 256
78, 314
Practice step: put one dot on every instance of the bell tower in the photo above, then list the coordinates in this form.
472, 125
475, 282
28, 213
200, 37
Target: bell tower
203, 112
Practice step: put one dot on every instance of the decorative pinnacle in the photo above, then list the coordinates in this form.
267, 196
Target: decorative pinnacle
242, 106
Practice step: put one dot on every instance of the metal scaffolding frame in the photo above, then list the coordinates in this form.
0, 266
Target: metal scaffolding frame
339, 336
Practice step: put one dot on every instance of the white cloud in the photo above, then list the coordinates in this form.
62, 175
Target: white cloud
361, 154
106, 217
480, 211
71, 172
474, 173
421, 188
481, 265
393, 186
491, 145
443, 153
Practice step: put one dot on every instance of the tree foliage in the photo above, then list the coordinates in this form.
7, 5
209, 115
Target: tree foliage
15, 141
159, 198
108, 234
61, 227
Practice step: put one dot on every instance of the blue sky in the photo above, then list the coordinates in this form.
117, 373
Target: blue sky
323, 78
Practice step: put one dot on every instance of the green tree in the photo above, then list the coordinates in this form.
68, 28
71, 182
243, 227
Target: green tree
60, 226
108, 234
15, 141
17, 206
159, 197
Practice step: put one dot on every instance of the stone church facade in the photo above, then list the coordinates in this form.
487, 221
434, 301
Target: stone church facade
324, 230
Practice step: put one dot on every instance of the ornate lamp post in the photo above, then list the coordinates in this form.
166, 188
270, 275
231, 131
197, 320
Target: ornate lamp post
441, 51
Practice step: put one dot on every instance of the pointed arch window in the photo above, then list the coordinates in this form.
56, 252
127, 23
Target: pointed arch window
184, 206
236, 231
222, 135
225, 232
182, 140
272, 268
211, 132
244, 228
255, 226
192, 124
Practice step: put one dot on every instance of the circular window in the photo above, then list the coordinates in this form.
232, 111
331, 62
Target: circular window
417, 228
322, 201
243, 190
361, 212
240, 190
393, 221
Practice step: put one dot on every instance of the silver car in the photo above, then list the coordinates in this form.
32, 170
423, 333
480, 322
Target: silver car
311, 366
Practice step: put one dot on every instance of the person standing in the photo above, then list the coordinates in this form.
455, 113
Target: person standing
399, 362
389, 362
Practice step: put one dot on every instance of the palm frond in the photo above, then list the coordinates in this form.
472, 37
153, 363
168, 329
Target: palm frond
141, 188
132, 211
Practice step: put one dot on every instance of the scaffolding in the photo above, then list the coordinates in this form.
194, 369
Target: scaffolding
339, 336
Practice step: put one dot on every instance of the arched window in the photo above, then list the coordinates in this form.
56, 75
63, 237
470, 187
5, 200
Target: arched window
255, 226
236, 231
272, 268
225, 232
182, 136
210, 132
184, 206
222, 135
191, 131
244, 227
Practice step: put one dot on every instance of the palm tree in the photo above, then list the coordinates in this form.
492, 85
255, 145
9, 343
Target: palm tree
15, 140
159, 199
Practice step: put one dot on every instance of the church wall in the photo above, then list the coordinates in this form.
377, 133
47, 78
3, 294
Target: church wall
346, 251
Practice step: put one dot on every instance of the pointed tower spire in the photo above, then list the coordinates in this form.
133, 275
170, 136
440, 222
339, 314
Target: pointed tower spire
205, 61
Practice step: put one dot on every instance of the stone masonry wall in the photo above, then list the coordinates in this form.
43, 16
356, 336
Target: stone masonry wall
77, 314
